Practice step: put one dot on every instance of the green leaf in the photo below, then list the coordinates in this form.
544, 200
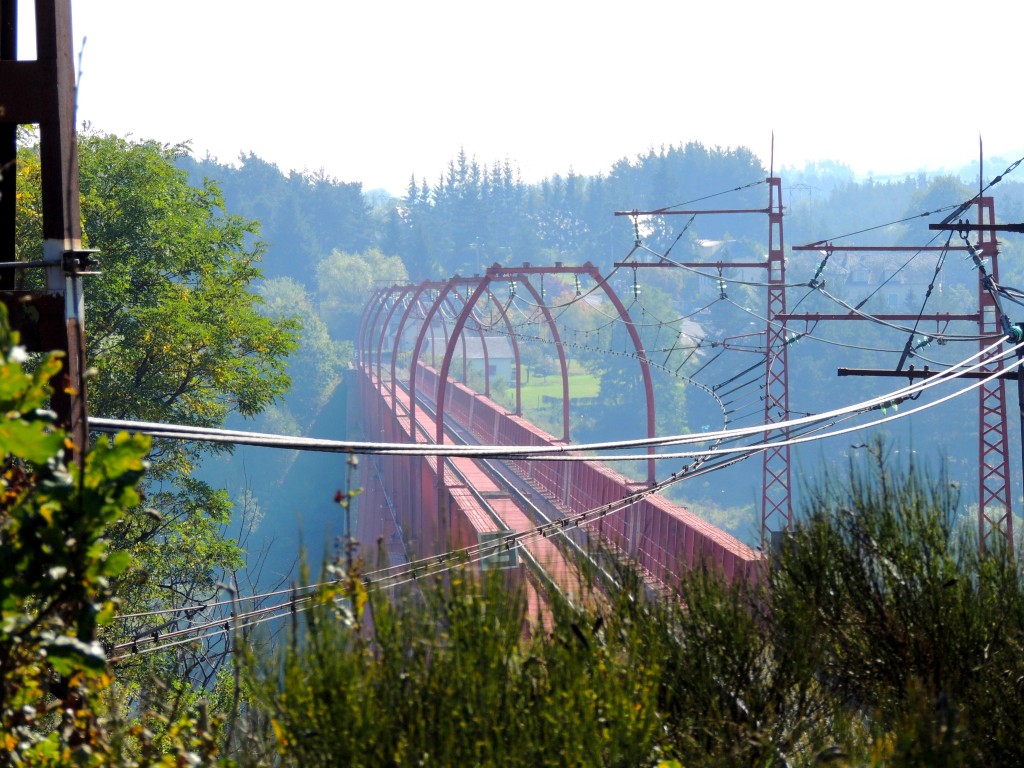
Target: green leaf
117, 562
68, 655
29, 441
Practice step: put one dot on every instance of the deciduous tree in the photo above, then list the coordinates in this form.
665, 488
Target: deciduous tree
175, 334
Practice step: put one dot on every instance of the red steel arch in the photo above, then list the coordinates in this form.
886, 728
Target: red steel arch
372, 307
483, 340
482, 286
497, 272
417, 292
402, 292
444, 289
410, 296
515, 352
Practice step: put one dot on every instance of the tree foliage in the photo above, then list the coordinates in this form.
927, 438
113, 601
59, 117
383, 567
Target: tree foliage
176, 334
912, 626
174, 328
451, 681
302, 215
57, 570
316, 367
346, 281
174, 325
475, 215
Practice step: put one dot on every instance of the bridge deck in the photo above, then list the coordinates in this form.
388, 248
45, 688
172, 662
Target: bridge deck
476, 504
437, 506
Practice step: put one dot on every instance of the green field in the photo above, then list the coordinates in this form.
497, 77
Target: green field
535, 387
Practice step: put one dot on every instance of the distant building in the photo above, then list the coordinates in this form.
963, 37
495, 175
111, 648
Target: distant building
500, 359
691, 334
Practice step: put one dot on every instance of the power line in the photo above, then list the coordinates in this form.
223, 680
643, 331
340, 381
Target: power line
428, 563
540, 453
434, 565
749, 185
389, 578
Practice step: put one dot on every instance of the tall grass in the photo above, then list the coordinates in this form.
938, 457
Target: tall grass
878, 637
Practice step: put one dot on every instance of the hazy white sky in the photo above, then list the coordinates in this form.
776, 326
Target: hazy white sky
376, 90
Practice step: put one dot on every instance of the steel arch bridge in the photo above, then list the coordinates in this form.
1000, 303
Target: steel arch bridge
407, 393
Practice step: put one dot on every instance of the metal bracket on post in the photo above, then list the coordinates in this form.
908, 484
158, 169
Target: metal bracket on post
80, 262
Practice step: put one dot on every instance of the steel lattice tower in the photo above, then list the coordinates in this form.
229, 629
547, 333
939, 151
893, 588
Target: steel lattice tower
776, 503
995, 516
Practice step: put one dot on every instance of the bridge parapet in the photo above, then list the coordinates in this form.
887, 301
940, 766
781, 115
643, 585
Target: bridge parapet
664, 539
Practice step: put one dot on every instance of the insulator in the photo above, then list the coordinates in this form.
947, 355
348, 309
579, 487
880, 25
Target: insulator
817, 273
923, 343
577, 278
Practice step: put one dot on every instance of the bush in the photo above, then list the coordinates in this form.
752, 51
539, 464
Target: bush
448, 677
914, 632
878, 637
56, 569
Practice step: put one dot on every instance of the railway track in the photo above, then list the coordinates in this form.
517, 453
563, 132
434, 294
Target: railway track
513, 505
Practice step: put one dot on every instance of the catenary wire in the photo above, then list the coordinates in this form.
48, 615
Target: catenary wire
533, 452
407, 573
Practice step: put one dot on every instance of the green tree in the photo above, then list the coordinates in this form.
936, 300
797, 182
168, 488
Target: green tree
301, 215
175, 334
174, 325
877, 635
450, 680
316, 367
904, 619
345, 282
